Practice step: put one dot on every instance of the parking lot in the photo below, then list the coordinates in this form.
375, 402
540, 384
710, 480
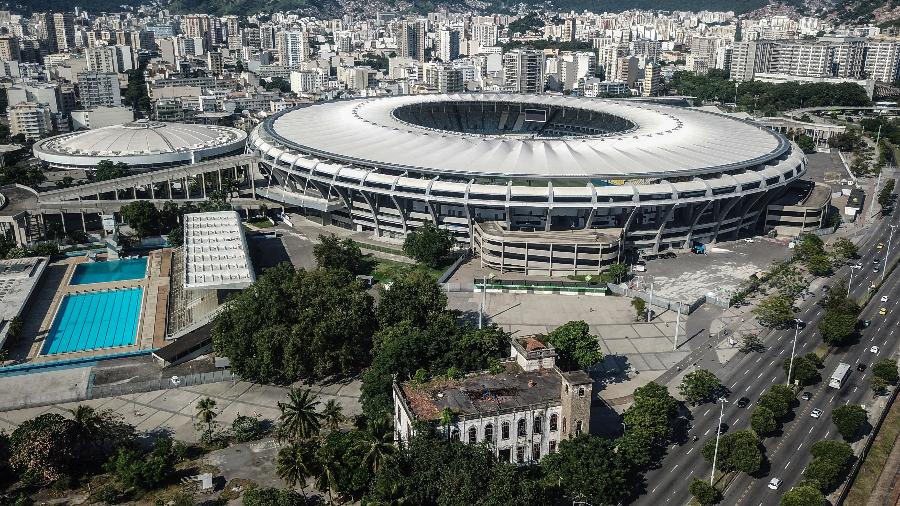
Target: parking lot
720, 270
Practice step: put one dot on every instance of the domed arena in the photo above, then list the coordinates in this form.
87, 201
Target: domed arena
535, 183
142, 145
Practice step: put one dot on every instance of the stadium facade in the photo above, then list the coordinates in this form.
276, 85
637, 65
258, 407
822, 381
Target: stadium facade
534, 183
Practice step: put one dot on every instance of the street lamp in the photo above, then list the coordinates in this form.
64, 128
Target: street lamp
483, 298
851, 278
887, 254
712, 475
677, 323
797, 322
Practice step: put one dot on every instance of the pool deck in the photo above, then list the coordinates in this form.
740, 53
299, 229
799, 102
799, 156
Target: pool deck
152, 320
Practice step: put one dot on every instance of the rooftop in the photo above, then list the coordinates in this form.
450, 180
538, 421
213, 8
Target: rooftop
215, 252
484, 393
431, 134
18, 279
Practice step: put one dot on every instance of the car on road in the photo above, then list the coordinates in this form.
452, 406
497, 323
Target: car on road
884, 298
865, 323
861, 367
857, 265
882, 311
806, 396
816, 413
774, 483
743, 402
874, 349
876, 260
876, 269
723, 428
880, 246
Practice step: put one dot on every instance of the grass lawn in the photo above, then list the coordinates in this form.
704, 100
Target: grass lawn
260, 223
876, 458
386, 270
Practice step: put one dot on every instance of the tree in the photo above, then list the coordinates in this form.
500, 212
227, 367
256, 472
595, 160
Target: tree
845, 249
886, 370
333, 415
145, 472
617, 271
738, 451
378, 444
142, 216
804, 370
849, 419
804, 495
331, 252
704, 493
751, 343
762, 421
428, 244
885, 195
299, 419
879, 385
806, 143
107, 170
414, 297
297, 463
700, 386
575, 347
837, 326
260, 496
819, 265
206, 413
835, 451
175, 237
640, 308
296, 324
246, 428
810, 245
775, 310
44, 449
587, 468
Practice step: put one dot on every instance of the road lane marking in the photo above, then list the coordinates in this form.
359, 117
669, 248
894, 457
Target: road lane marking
832, 397
707, 432
654, 489
747, 389
674, 468
772, 362
689, 452
855, 388
864, 375
760, 375
707, 412
846, 402
747, 372
786, 465
857, 359
773, 378
811, 429
732, 387
826, 434
780, 353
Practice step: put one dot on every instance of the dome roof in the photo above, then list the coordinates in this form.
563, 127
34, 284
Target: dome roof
140, 143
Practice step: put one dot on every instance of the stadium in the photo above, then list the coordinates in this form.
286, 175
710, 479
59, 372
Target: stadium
539, 184
142, 145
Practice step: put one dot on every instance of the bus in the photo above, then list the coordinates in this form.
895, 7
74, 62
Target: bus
839, 376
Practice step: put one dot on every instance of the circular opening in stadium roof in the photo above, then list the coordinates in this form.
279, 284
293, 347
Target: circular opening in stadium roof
512, 119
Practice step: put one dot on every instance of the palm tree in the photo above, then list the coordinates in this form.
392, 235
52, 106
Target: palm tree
333, 415
299, 419
327, 479
206, 412
378, 444
296, 463
446, 420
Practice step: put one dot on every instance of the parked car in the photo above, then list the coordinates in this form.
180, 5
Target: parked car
861, 367
816, 413
743, 402
774, 483
806, 396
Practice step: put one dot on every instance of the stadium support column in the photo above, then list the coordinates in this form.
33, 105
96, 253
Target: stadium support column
752, 202
695, 218
723, 215
251, 174
662, 226
374, 212
62, 220
203, 182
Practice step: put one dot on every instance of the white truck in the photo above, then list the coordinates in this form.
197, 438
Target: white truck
839, 376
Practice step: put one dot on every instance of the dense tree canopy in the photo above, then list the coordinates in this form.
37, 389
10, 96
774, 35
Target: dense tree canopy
588, 469
738, 451
142, 217
332, 252
294, 324
575, 347
428, 244
107, 170
700, 386
775, 310
849, 419
804, 495
839, 323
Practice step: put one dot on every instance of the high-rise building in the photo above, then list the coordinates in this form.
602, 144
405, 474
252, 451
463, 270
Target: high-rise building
214, 63
751, 58
484, 35
652, 80
882, 60
30, 119
411, 40
448, 44
64, 31
443, 78
802, 59
202, 25
293, 47
523, 71
703, 54
846, 55
568, 30
111, 59
9, 48
98, 89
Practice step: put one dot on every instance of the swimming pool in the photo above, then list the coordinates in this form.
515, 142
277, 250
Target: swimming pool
94, 320
112, 270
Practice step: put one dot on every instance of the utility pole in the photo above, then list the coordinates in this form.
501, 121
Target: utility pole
483, 308
650, 303
794, 349
887, 254
712, 475
677, 322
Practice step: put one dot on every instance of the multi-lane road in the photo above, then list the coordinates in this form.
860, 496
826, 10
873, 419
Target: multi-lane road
753, 374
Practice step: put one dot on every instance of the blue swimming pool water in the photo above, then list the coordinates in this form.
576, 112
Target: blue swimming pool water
113, 270
94, 320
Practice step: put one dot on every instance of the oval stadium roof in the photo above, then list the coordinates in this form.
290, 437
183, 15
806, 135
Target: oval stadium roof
140, 143
664, 140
